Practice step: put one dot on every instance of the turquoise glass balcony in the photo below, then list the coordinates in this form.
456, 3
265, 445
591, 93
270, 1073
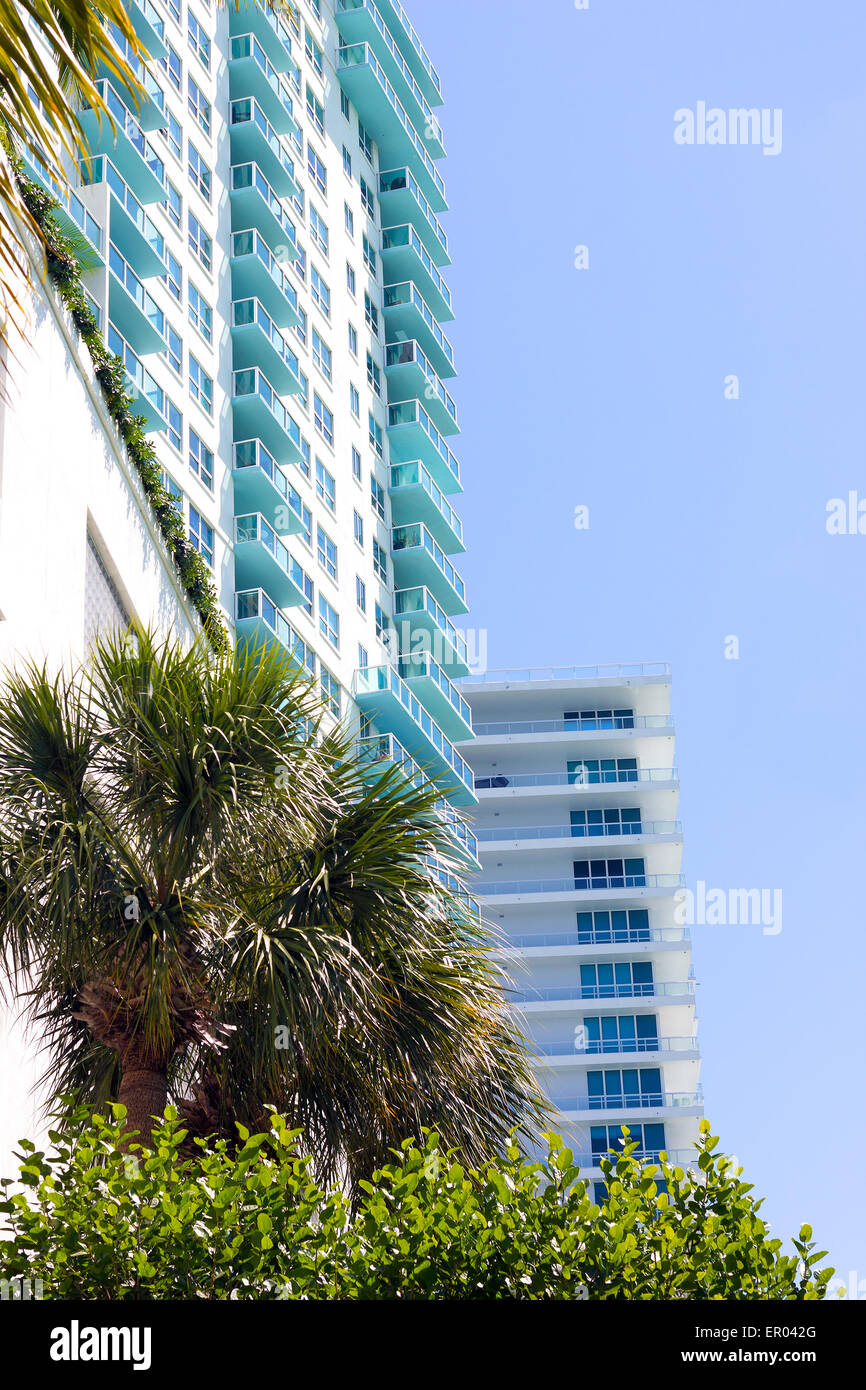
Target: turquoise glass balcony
148, 399
257, 342
252, 74
418, 560
437, 693
384, 696
408, 316
255, 204
131, 308
416, 497
259, 413
72, 214
259, 622
410, 373
424, 626
359, 21
376, 749
413, 435
120, 136
149, 27
130, 228
412, 49
254, 138
262, 486
148, 106
405, 257
250, 17
256, 274
363, 78
262, 561
402, 201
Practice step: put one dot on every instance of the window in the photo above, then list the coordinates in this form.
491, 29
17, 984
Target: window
353, 340
604, 927
173, 7
201, 535
324, 419
356, 464
173, 204
304, 464
350, 280
321, 355
327, 552
354, 401
618, 980
374, 376
382, 623
330, 690
317, 171
174, 491
315, 110
365, 143
199, 172
318, 230
638, 1086
325, 486
380, 561
175, 424
349, 218
329, 621
173, 348
198, 103
200, 385
200, 313
172, 64
199, 241
347, 163
344, 105
304, 393
375, 435
615, 820
319, 292
371, 315
197, 39
600, 719
593, 770
377, 497
299, 506
360, 593
369, 255
172, 132
301, 328
173, 277
358, 523
314, 53
609, 873
200, 459
367, 199
363, 658
304, 583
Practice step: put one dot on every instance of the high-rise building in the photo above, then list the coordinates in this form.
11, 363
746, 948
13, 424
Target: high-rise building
268, 264
580, 849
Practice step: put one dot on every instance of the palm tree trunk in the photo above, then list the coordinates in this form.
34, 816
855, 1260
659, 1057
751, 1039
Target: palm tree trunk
144, 1092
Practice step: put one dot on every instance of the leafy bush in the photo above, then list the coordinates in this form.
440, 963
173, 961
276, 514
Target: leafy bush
245, 1221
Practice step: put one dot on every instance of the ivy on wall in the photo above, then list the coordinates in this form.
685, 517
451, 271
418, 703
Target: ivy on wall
64, 273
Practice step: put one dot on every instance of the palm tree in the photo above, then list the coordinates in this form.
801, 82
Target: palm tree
205, 898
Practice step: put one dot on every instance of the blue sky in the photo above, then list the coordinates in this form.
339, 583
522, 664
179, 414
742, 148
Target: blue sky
604, 387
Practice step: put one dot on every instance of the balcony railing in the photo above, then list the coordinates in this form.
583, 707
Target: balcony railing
573, 673
419, 600
251, 312
614, 829
247, 46
406, 237
121, 120
431, 123
599, 936
414, 474
247, 112
407, 293
423, 665
254, 607
581, 885
670, 1100
409, 354
681, 1158
399, 180
249, 175
255, 527
648, 989
413, 413
581, 724
373, 679
250, 242
416, 537
595, 1047
604, 777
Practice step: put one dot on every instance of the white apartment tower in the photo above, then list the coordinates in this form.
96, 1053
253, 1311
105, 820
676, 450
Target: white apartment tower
580, 849
267, 249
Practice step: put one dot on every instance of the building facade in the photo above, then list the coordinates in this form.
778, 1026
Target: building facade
267, 261
580, 850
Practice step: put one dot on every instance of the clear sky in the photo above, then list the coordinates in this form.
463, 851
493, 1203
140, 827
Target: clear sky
605, 387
